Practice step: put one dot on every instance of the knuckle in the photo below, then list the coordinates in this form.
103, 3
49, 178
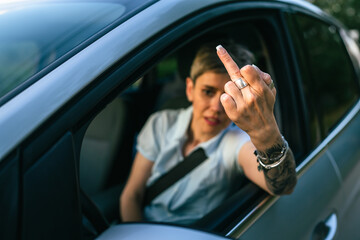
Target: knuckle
245, 69
230, 88
227, 58
237, 72
267, 76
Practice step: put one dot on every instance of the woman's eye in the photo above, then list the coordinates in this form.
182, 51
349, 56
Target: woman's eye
208, 92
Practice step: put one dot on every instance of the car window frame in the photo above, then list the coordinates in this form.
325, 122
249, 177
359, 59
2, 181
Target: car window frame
161, 45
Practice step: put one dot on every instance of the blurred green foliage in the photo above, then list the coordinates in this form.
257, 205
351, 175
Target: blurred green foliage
346, 11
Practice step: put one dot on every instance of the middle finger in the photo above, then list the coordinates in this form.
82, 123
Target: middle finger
231, 67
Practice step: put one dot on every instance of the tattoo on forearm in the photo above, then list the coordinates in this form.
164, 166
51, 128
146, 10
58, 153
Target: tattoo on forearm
282, 179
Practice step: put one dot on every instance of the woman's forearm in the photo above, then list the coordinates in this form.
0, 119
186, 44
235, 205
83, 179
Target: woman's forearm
282, 179
130, 208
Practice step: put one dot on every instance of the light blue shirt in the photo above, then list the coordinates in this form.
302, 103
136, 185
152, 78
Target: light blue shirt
205, 187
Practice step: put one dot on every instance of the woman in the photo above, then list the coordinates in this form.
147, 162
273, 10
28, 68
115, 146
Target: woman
231, 118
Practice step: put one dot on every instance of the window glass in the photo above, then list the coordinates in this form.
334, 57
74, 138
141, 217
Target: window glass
166, 69
328, 75
34, 35
17, 61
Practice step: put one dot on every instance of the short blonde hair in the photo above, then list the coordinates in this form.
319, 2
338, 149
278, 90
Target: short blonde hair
206, 58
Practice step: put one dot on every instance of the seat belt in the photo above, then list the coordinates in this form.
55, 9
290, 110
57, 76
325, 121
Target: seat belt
174, 174
92, 212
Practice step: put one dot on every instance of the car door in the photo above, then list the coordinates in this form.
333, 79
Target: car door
336, 106
337, 103
345, 150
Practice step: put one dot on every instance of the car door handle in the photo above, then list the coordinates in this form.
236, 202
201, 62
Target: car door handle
326, 229
331, 222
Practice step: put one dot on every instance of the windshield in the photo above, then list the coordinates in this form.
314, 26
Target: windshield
33, 35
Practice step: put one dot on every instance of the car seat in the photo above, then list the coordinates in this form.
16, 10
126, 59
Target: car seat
99, 148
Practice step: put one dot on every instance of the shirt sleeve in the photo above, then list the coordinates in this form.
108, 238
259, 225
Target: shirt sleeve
148, 140
234, 141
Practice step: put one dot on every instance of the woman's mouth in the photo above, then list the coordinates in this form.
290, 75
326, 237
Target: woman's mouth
212, 121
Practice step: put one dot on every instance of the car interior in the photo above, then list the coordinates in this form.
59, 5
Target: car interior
109, 144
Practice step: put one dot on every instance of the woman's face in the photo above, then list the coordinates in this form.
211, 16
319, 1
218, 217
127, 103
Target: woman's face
209, 117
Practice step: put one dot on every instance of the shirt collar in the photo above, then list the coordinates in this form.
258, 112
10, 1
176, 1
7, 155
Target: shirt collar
181, 132
212, 144
183, 123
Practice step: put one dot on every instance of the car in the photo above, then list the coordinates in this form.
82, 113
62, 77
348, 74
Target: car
80, 78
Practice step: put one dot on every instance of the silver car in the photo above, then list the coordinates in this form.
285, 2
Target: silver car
78, 79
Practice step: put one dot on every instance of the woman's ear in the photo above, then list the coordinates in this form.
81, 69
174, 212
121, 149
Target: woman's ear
189, 89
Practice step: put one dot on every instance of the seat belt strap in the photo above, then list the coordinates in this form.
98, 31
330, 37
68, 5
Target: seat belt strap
174, 174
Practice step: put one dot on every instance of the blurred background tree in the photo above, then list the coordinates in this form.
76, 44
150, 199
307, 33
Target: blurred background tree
346, 11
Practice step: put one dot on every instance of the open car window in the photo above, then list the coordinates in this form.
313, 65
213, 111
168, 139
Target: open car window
112, 134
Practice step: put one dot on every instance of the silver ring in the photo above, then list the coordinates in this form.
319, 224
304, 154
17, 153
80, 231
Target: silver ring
271, 85
240, 83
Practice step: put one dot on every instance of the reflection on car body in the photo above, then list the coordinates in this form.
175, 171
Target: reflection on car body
71, 108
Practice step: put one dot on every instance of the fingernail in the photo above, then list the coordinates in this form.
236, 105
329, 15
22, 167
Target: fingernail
220, 49
255, 66
223, 97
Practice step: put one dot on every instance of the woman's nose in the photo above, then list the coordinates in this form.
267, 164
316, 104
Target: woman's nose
216, 104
